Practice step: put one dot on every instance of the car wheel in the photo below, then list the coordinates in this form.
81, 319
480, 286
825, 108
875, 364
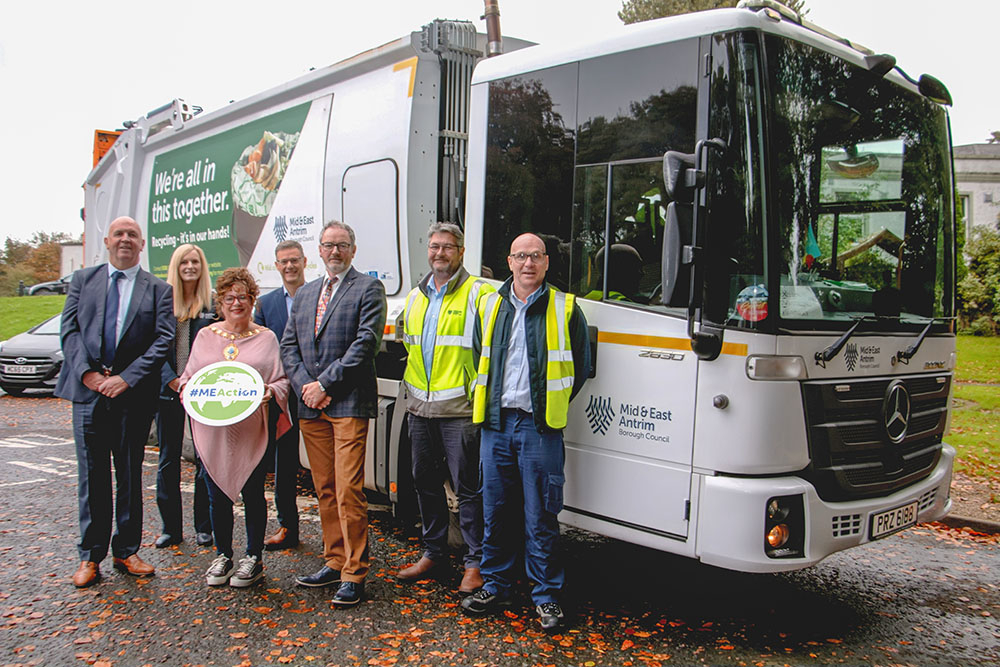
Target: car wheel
42, 292
13, 391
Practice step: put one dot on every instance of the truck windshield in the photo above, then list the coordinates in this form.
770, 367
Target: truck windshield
862, 193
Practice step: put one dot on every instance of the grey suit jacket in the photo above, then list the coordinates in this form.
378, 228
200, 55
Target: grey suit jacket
342, 355
147, 334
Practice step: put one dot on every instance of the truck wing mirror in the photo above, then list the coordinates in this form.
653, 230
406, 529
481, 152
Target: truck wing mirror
682, 254
681, 176
675, 278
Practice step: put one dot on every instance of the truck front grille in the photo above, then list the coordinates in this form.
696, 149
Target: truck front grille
851, 453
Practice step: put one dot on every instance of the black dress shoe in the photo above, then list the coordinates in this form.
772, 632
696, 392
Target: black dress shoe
324, 576
203, 539
165, 540
349, 593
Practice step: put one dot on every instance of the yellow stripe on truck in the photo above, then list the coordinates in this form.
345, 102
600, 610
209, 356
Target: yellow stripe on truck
663, 342
410, 64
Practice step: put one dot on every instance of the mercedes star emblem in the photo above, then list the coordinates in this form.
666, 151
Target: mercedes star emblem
896, 413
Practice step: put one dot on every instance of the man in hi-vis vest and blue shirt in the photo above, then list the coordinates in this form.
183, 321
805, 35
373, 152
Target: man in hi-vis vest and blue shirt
533, 357
440, 375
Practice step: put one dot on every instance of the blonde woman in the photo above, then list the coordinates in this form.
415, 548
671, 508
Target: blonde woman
189, 277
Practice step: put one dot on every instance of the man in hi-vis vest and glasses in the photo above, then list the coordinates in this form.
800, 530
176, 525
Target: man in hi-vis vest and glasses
533, 357
440, 375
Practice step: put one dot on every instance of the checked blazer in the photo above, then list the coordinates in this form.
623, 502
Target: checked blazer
342, 355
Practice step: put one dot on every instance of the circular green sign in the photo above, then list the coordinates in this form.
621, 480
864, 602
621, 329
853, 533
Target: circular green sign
223, 393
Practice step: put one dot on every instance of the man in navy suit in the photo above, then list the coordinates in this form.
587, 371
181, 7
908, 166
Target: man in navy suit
333, 334
117, 325
272, 312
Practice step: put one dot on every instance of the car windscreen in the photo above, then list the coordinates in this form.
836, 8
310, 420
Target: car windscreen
49, 327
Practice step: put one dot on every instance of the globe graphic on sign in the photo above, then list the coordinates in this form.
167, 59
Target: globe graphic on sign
232, 381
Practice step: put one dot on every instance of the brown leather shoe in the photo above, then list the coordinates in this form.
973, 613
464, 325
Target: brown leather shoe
87, 574
135, 566
472, 581
281, 539
422, 569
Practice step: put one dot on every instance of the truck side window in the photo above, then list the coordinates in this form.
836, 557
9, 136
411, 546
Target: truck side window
633, 107
529, 168
638, 104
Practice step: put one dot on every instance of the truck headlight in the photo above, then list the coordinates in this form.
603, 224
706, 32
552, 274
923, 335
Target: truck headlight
774, 367
784, 527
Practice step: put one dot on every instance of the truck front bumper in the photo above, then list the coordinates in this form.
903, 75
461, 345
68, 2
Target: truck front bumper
731, 517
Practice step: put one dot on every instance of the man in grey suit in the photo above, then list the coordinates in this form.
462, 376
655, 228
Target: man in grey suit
328, 349
117, 326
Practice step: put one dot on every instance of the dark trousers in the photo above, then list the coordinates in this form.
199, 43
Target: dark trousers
447, 449
170, 418
284, 452
109, 430
522, 497
254, 510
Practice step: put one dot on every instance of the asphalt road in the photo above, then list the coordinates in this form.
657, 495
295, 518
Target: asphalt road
927, 596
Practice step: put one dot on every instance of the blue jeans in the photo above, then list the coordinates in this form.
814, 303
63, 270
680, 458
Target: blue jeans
447, 448
522, 495
254, 509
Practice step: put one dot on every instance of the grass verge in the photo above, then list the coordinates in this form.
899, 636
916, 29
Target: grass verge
975, 419
20, 313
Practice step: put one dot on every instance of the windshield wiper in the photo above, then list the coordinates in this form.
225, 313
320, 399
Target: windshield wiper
904, 356
833, 350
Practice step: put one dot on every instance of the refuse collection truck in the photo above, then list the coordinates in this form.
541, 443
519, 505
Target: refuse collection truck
757, 216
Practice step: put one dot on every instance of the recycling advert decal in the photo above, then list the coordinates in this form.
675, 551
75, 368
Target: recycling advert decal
217, 192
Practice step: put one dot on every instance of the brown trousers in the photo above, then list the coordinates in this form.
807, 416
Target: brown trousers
336, 450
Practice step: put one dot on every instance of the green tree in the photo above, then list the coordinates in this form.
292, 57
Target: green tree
634, 11
34, 261
979, 291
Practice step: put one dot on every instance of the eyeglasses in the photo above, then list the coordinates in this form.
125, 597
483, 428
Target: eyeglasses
290, 260
230, 299
447, 247
342, 247
522, 257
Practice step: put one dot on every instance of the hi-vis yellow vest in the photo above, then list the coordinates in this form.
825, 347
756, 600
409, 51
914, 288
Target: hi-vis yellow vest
559, 369
453, 370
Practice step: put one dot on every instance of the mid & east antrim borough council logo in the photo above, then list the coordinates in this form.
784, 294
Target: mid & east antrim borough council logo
600, 414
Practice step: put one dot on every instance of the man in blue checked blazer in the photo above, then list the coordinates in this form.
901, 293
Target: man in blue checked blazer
117, 326
328, 349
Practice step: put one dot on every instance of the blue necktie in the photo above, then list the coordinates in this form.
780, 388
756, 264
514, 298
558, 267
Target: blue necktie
110, 335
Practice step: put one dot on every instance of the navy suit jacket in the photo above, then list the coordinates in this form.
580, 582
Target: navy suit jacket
342, 355
271, 312
147, 334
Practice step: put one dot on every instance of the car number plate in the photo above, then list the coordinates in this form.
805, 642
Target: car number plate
886, 523
19, 369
